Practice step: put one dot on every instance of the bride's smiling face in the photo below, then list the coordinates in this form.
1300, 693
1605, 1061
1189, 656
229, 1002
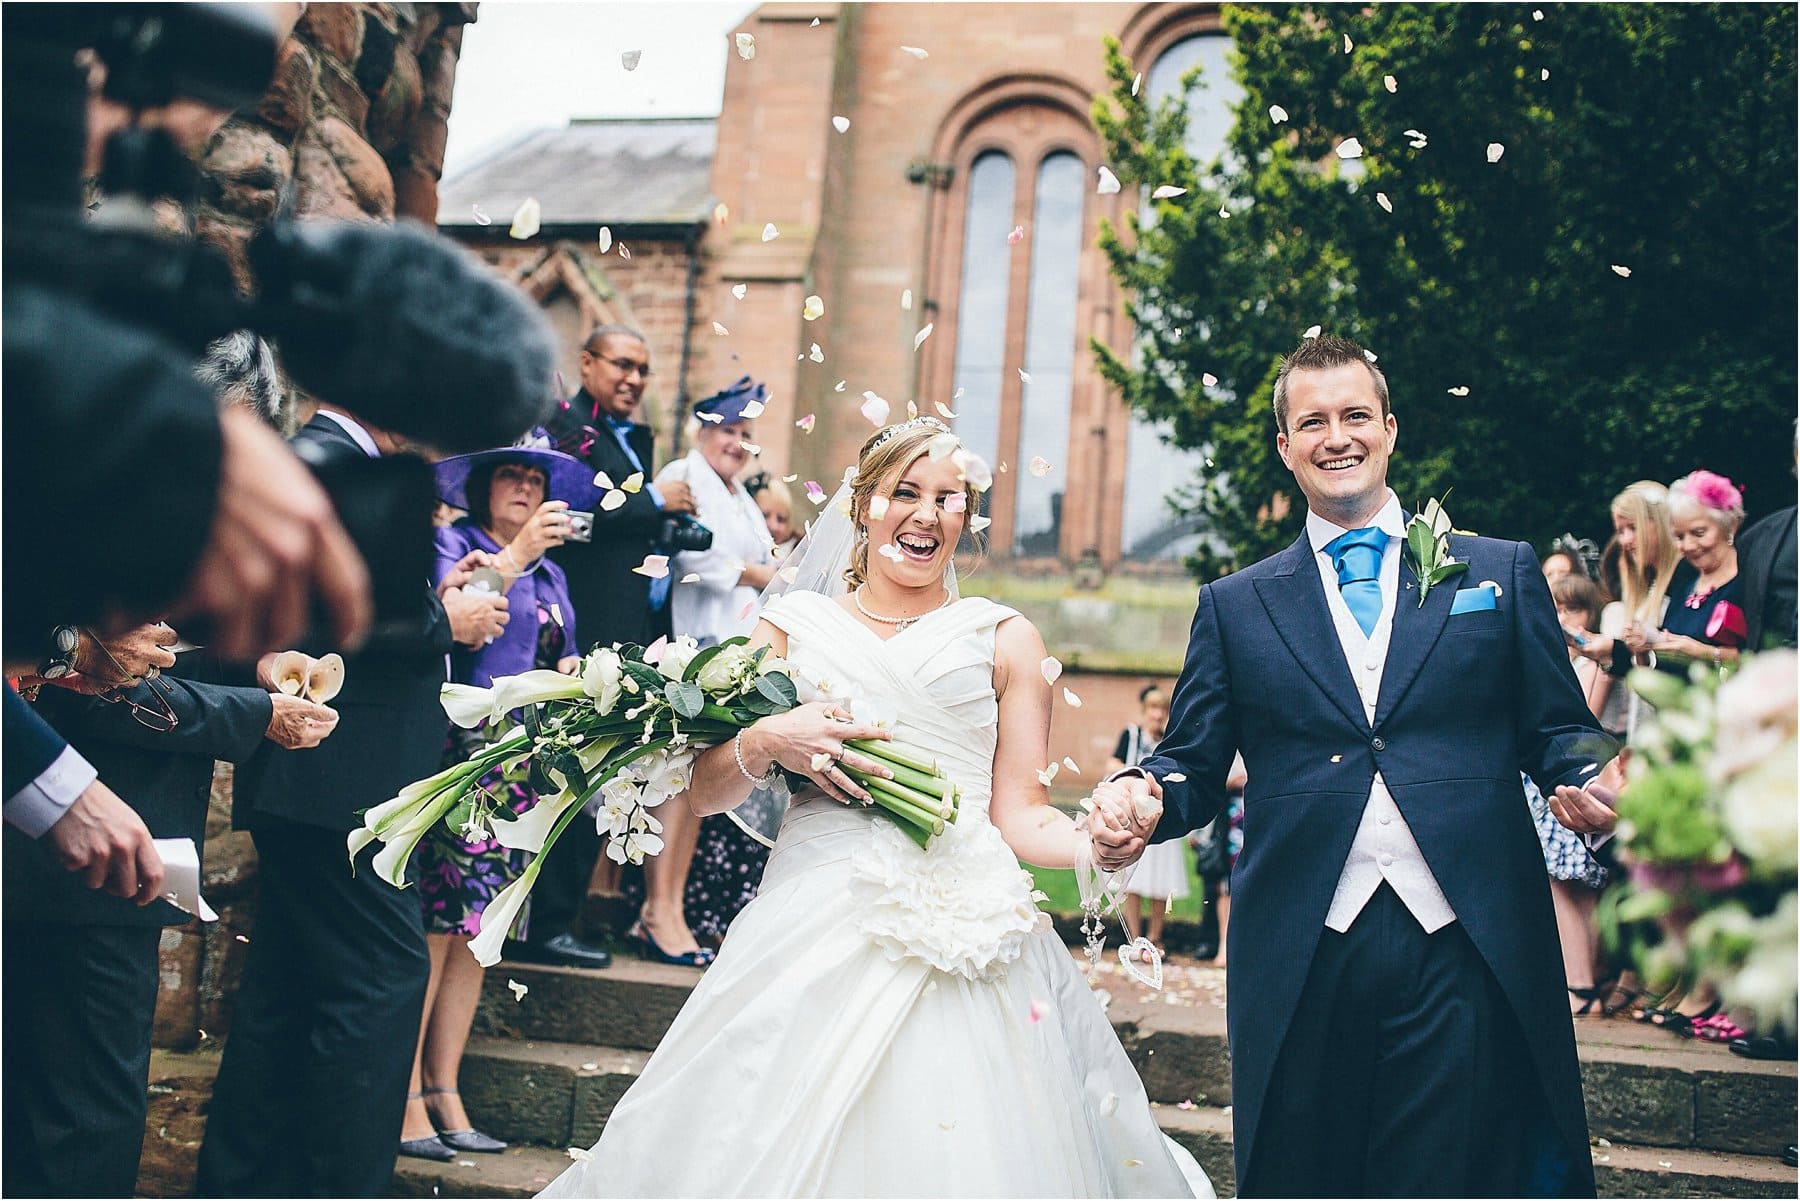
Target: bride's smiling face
913, 535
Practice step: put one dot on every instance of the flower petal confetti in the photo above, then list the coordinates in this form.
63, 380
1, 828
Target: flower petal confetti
654, 566
1494, 151
518, 990
739, 291
1537, 14
1039, 1011
975, 469
1277, 114
1016, 236
875, 409
841, 124
1348, 44
1390, 83
692, 577
1039, 466
770, 233
919, 338
1460, 390
1208, 379
580, 1154
944, 410
528, 220
1313, 331
629, 59
805, 424
614, 498
753, 409
956, 502
979, 523
916, 52
602, 480
1175, 777
813, 309
1073, 700
941, 446
1168, 191
821, 761
1109, 1105
1418, 139
839, 386
888, 550
906, 301
1109, 183
720, 329
1024, 378
1047, 775
1070, 764
746, 46
624, 251
815, 493
878, 507
1052, 668
1381, 198
1621, 272
1349, 148
1544, 75
481, 218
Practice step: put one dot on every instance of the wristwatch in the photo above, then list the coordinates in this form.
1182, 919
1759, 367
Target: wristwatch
65, 642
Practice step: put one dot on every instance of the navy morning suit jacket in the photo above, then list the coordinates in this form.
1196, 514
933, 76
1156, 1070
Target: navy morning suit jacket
1466, 703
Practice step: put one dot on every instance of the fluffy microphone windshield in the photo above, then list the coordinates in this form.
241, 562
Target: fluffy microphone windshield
406, 330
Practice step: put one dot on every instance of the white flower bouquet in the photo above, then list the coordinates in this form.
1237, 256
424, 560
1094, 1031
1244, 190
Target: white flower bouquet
623, 731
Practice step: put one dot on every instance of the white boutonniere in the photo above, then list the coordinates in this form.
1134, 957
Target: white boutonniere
1427, 548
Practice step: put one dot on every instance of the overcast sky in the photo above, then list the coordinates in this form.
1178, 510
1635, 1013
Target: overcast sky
530, 64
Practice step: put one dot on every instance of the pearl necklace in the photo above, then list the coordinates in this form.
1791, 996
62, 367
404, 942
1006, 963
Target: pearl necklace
899, 623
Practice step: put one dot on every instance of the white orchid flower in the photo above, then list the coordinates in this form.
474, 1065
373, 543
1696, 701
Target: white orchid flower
468, 706
528, 831
497, 919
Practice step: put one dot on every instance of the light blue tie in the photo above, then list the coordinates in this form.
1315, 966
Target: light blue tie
1357, 556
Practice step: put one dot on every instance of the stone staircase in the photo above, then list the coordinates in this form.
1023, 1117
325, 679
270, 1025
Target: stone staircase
1669, 1117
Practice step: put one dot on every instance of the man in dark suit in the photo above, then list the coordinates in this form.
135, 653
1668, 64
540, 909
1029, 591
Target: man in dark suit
1396, 1009
82, 965
613, 603
312, 1086
1766, 561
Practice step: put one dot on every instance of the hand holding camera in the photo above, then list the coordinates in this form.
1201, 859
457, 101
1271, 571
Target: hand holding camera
547, 527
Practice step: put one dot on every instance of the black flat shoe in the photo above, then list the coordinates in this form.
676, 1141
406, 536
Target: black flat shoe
1763, 1046
471, 1140
426, 1148
650, 949
565, 950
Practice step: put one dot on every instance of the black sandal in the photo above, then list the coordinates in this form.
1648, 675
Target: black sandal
1589, 997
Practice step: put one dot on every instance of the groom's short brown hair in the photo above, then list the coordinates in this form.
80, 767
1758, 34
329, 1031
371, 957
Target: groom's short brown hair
1321, 354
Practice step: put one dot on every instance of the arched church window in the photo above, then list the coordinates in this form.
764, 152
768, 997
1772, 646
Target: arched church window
1050, 347
982, 304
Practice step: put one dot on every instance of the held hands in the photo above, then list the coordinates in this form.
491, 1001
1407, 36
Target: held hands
677, 497
465, 567
297, 723
105, 840
1593, 809
1124, 815
810, 740
547, 527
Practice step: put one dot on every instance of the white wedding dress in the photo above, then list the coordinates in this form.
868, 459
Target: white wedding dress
886, 1021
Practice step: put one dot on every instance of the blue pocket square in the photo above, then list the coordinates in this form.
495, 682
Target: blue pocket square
1473, 600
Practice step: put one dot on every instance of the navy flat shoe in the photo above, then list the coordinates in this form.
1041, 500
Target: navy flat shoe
648, 948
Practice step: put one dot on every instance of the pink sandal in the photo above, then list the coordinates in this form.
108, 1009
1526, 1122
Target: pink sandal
1719, 1028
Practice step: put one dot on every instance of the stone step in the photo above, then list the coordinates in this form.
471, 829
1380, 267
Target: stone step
1643, 1085
509, 1081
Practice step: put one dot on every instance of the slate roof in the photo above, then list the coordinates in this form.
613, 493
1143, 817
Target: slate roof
622, 173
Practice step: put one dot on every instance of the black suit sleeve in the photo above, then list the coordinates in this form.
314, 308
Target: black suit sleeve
31, 744
1201, 739
212, 720
1559, 740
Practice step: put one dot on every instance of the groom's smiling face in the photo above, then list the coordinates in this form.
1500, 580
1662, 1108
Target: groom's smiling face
1337, 442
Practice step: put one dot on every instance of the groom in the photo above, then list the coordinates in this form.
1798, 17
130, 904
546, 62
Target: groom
1396, 1008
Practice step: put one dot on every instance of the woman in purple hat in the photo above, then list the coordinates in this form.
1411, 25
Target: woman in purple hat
518, 501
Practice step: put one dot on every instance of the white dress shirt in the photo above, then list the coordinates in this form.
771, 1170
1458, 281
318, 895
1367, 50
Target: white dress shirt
711, 608
1384, 848
42, 803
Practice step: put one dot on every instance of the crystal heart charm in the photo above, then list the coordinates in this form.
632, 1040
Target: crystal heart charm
1135, 955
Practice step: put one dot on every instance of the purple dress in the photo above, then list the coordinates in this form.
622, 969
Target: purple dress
457, 876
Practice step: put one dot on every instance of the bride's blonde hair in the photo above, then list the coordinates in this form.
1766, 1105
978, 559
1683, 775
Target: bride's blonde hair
883, 459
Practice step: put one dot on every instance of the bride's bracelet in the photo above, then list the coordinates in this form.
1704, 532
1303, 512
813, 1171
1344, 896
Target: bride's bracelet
737, 752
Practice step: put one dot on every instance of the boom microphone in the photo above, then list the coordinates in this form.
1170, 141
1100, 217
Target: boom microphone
406, 330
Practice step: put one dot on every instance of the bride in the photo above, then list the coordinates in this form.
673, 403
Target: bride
881, 1020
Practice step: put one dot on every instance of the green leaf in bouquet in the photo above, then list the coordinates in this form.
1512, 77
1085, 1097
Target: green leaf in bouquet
648, 678
756, 705
460, 813
568, 766
1642, 905
685, 697
534, 723
699, 661
778, 689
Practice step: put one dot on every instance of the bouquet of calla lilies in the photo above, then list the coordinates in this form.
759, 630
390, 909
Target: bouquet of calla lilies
623, 731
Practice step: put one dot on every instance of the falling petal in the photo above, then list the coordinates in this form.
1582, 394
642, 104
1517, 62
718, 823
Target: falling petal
1225, 213
739, 291
654, 566
805, 424
919, 338
1184, 1105
1016, 236
813, 309
788, 479
692, 577
906, 301
1052, 668
630, 58
1024, 376
815, 493
821, 761
1039, 1010
1047, 775
944, 410
1621, 272
1371, 356
1460, 390
1312, 331
1208, 379
979, 523
815, 353
1039, 466
942, 446
875, 409
1070, 764
1277, 114
1494, 151
915, 52
602, 480
1418, 139
1109, 1105
1073, 700
1348, 44
770, 233
1537, 14
1134, 1163
580, 1154
1168, 192
956, 502
518, 990
839, 386
1382, 199
1390, 83
721, 212
1109, 183
720, 329
746, 46
841, 124
975, 469
612, 500
888, 550
1137, 83
878, 507
481, 218
528, 219
1175, 777
712, 418
624, 251
1349, 148
753, 409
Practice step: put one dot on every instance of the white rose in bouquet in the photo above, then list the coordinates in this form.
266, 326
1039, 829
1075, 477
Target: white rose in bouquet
725, 670
1761, 812
1769, 979
602, 678
676, 657
1757, 713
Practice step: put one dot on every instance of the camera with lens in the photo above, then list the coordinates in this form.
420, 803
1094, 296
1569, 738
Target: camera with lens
581, 526
680, 532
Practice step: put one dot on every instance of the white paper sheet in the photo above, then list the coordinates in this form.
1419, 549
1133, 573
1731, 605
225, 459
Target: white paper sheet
181, 887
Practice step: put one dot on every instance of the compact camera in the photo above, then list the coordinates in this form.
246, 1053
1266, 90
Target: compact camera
581, 526
680, 532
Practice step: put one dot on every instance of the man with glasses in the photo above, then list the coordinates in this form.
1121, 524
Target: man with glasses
81, 963
613, 603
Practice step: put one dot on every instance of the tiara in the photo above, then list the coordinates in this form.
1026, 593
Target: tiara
892, 431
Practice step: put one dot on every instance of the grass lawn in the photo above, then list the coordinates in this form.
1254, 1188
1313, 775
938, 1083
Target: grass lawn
1059, 886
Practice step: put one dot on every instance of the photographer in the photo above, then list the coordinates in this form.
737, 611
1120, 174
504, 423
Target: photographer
616, 603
